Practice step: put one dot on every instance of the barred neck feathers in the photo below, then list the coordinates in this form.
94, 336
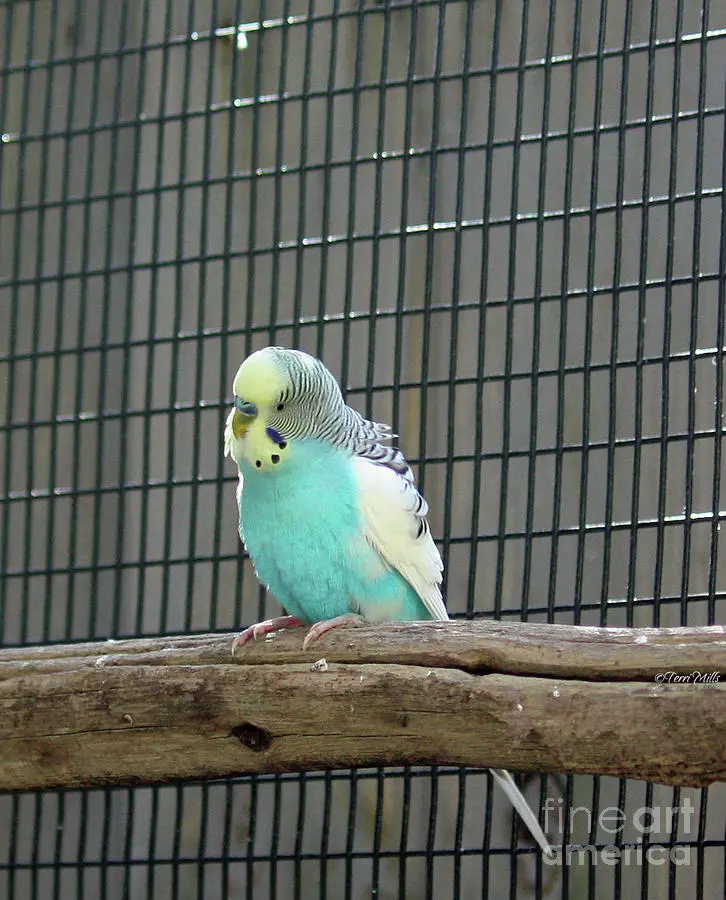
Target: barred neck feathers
328, 418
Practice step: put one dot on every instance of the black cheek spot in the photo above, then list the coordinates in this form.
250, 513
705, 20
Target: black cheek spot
283, 444
275, 459
258, 463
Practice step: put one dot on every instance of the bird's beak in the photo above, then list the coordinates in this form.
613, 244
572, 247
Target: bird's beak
244, 413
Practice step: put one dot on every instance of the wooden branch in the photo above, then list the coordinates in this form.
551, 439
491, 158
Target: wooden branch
643, 703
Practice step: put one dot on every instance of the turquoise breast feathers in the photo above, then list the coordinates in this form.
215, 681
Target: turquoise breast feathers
303, 529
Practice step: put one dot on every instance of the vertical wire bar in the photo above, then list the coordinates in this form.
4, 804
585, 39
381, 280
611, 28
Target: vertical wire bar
127, 852
640, 330
377, 198
434, 776
401, 296
589, 314
275, 836
178, 274
319, 344
154, 293
352, 198
40, 253
675, 805
124, 445
85, 255
232, 117
615, 316
251, 286
509, 327
13, 317
299, 269
430, 242
403, 244
107, 803
327, 180
176, 844
200, 321
300, 254
81, 861
618, 874
693, 337
487, 835
58, 842
592, 881
350, 835
253, 204
562, 344
151, 846
425, 357
253, 218
537, 315
221, 491
58, 331
450, 442
456, 284
226, 848
280, 108
508, 364
700, 855
403, 848
667, 325
481, 344
94, 627
300, 834
85, 262
372, 331
376, 884
35, 850
719, 400
459, 832
480, 390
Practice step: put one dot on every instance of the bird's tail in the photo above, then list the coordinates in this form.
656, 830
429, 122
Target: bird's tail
516, 797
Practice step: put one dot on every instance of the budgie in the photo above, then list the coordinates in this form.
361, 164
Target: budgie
329, 511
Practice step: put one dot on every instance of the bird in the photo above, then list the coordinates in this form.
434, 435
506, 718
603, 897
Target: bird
329, 511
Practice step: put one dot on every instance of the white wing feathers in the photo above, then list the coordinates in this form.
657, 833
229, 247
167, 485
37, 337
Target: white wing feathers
394, 514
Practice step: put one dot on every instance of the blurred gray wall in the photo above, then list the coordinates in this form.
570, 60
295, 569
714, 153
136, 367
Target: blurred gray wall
165, 210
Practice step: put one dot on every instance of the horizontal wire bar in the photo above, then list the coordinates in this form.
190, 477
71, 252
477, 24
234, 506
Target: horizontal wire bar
305, 21
86, 417
372, 158
542, 610
339, 855
644, 523
272, 99
60, 277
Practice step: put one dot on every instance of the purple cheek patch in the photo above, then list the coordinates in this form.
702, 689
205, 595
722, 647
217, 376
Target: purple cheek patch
275, 436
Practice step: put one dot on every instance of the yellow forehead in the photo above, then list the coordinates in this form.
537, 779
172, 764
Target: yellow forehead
259, 379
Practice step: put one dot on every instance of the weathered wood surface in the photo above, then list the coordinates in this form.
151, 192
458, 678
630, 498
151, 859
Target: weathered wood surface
642, 703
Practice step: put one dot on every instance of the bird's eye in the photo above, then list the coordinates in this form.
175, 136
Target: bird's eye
280, 407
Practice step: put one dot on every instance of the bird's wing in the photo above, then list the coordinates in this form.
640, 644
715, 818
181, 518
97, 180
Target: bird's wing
394, 514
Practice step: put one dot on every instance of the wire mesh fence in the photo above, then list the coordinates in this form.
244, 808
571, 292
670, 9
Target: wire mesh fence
503, 226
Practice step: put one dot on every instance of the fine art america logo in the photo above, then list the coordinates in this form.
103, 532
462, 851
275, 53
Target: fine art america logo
644, 821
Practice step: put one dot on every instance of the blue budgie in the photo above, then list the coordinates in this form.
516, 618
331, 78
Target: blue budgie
329, 511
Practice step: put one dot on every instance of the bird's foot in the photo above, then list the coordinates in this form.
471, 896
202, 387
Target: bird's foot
262, 628
320, 628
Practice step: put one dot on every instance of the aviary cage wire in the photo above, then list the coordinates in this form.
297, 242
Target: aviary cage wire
503, 225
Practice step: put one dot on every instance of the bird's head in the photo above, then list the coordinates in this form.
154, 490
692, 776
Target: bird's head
280, 396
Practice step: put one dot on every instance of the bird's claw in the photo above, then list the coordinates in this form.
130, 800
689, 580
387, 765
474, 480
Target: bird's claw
321, 628
260, 629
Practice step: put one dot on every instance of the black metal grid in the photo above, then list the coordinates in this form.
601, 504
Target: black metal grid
504, 228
